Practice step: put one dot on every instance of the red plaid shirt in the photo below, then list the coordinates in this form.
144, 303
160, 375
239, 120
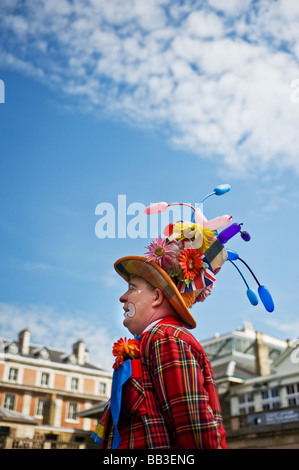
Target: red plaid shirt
175, 405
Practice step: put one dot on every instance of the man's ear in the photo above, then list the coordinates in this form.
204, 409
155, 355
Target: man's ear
158, 297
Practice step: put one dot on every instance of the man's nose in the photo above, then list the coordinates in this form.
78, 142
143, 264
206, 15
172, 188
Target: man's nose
123, 298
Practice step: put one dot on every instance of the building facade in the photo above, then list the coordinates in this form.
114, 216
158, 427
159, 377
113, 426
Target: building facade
50, 398
52, 387
257, 378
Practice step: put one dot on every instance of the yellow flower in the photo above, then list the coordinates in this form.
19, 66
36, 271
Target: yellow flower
194, 232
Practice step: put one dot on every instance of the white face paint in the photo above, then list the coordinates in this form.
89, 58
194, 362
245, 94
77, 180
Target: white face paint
131, 310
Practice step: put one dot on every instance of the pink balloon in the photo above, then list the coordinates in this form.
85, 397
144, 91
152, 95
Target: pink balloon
199, 218
218, 222
156, 208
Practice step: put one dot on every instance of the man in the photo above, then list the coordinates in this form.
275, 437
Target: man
168, 399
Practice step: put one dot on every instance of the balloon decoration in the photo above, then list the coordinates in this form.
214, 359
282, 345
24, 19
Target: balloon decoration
223, 237
263, 292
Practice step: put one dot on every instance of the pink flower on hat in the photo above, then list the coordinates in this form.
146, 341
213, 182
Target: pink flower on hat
205, 293
161, 252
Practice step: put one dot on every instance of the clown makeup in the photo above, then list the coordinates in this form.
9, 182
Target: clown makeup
131, 310
137, 302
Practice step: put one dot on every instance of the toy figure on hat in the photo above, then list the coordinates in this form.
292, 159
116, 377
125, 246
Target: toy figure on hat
163, 390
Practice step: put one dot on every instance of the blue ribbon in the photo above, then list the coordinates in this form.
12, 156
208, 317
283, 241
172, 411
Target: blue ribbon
120, 376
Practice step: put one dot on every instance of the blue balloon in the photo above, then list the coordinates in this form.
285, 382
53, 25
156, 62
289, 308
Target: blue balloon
221, 189
266, 298
232, 255
252, 296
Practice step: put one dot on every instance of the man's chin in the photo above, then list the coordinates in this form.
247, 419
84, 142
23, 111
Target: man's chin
126, 324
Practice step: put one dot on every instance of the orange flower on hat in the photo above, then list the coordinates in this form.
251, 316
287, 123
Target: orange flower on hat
191, 263
125, 349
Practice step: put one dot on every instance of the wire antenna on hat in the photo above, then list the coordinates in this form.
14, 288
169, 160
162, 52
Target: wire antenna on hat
197, 215
263, 292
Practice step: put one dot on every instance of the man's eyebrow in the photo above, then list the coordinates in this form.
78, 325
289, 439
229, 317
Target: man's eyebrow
132, 284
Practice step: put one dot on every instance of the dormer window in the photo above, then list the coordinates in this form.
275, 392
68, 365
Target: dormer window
69, 358
13, 348
72, 359
44, 354
41, 353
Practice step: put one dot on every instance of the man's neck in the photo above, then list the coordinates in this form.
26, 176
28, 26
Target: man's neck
169, 318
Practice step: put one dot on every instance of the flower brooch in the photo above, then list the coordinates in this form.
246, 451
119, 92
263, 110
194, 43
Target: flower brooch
125, 349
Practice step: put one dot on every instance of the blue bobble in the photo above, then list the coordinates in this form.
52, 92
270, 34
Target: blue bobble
252, 296
266, 298
221, 189
231, 255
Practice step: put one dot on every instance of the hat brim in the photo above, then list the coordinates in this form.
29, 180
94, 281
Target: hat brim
157, 277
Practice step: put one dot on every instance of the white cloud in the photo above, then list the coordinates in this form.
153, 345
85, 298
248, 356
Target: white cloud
218, 74
203, 25
230, 7
289, 328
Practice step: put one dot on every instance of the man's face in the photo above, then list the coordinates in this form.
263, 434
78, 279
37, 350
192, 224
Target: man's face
137, 305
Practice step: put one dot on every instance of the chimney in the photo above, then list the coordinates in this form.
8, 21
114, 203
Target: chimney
79, 351
261, 355
24, 341
86, 355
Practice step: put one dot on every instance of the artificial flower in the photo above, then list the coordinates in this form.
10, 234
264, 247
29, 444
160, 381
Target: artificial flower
191, 263
125, 349
170, 263
205, 293
195, 232
160, 252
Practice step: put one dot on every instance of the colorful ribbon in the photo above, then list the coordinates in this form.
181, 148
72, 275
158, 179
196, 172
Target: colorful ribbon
130, 368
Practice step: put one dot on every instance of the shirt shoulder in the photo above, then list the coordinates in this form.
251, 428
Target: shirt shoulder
164, 331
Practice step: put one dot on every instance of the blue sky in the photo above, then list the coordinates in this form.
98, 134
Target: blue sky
154, 101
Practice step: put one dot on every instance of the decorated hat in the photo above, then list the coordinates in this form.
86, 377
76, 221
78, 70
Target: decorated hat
185, 262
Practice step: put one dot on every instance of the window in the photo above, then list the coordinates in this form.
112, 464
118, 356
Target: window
293, 394
44, 379
13, 374
71, 411
40, 407
270, 399
9, 402
44, 354
246, 403
102, 388
74, 383
13, 348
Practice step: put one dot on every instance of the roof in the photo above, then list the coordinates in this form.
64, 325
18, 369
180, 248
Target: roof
44, 353
232, 370
240, 343
95, 411
10, 415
